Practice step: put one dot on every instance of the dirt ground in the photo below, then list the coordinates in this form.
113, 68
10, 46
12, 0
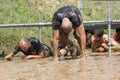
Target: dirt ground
95, 67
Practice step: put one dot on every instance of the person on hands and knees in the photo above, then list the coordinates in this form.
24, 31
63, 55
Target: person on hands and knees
99, 42
64, 20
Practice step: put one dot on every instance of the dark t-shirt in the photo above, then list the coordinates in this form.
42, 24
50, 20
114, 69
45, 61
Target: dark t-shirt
36, 47
71, 12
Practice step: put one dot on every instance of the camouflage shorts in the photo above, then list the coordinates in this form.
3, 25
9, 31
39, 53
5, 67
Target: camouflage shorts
47, 51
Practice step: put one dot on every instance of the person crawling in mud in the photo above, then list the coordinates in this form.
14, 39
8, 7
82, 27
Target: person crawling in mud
64, 20
116, 36
100, 42
72, 49
32, 48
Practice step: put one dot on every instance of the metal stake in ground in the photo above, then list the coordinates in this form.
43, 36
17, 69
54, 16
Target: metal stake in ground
109, 33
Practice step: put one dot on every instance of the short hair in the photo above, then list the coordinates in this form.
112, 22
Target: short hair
24, 39
66, 25
98, 33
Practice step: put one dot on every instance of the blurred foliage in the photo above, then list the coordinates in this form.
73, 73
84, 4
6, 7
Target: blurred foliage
32, 11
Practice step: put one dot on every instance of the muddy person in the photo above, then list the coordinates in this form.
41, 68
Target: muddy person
32, 48
72, 49
64, 20
100, 42
117, 35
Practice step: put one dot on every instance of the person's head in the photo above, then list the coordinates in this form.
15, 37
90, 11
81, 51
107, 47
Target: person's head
24, 44
98, 34
66, 25
118, 30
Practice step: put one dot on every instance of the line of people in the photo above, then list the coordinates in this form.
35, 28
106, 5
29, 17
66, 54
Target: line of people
64, 20
32, 48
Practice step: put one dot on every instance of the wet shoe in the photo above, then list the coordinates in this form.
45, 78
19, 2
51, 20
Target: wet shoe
62, 59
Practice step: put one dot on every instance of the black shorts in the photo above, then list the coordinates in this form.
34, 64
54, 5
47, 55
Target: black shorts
71, 12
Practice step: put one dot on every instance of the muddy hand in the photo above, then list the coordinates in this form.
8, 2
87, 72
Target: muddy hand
8, 58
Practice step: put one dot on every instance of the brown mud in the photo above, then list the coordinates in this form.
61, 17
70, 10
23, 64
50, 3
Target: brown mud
98, 67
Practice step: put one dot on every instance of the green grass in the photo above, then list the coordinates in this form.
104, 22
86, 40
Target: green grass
30, 11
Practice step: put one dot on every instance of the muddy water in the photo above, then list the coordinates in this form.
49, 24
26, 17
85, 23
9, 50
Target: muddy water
93, 68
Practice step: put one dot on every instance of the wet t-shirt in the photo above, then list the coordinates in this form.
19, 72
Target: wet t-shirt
71, 12
36, 47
